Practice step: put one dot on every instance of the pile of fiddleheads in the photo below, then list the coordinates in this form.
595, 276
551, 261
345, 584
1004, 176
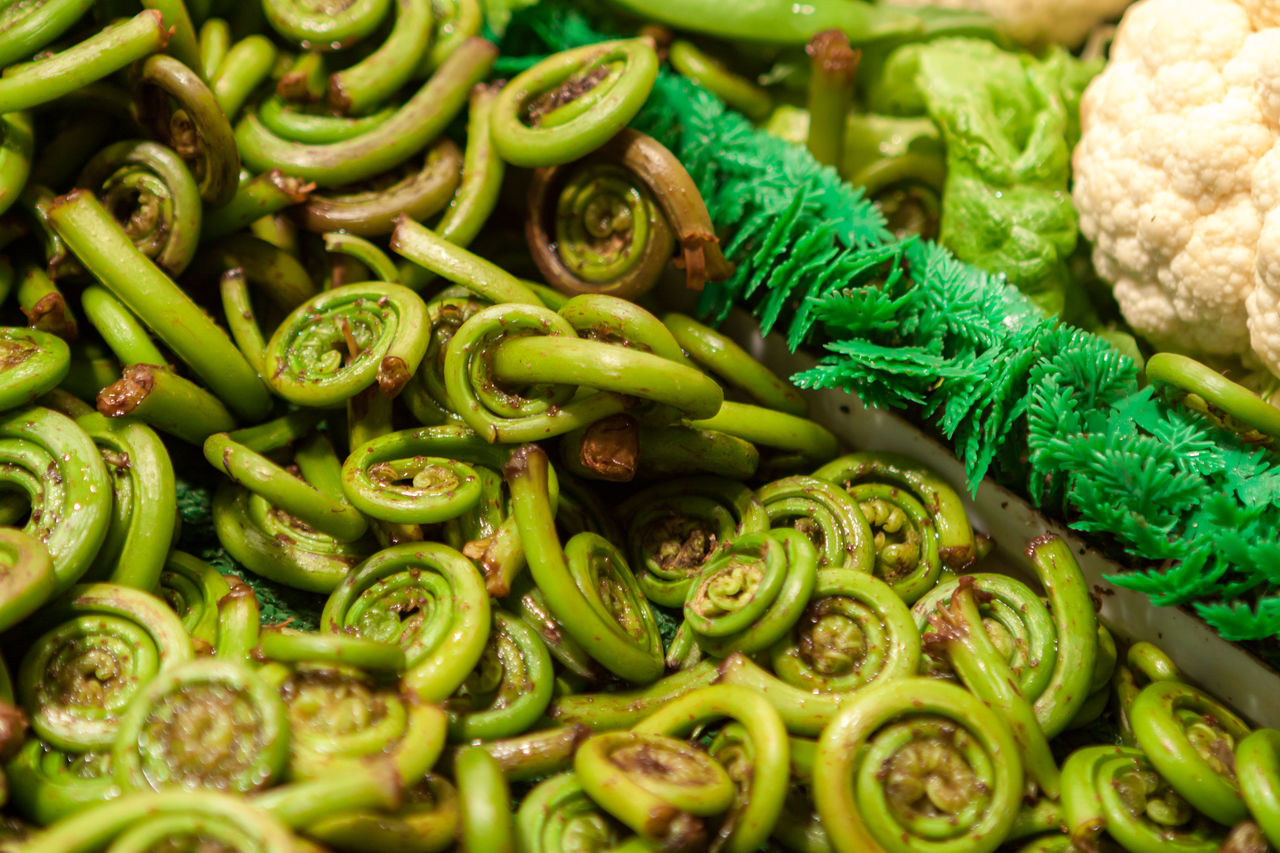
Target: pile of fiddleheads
586, 577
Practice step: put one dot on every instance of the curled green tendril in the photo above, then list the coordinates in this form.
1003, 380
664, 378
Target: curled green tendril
386, 145
325, 26
509, 690
27, 579
749, 595
854, 631
917, 765
957, 545
309, 502
31, 364
98, 56
606, 367
119, 328
271, 543
799, 442
608, 222
624, 709
721, 355
193, 589
47, 457
363, 86
673, 529
138, 822
419, 476
736, 91
346, 339
144, 508
587, 584
658, 786
826, 514
1216, 390
257, 196
486, 822
427, 598
501, 413
206, 724
1015, 619
1191, 741
48, 784
905, 539
1076, 623
339, 717
77, 679
571, 103
106, 251
1258, 774
959, 633
1117, 791
558, 815
288, 646
455, 22
427, 822
25, 29
482, 173
296, 124
149, 190
199, 132
761, 786
370, 212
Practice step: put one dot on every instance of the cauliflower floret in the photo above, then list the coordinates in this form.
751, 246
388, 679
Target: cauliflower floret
1177, 175
1034, 21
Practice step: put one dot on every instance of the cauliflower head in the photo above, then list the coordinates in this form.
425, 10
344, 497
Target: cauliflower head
1066, 22
1177, 175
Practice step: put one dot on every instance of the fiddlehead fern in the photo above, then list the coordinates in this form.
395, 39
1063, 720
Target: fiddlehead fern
956, 544
151, 193
27, 579
420, 476
206, 724
488, 406
509, 690
271, 543
362, 86
426, 822
1016, 621
1117, 791
199, 132
721, 355
193, 589
673, 529
826, 514
32, 363
48, 783
658, 786
610, 222
425, 597
959, 634
854, 631
486, 802
572, 103
26, 29
917, 765
372, 210
1191, 741
47, 456
77, 679
587, 584
558, 815
346, 339
749, 595
760, 771
1257, 764
320, 26
338, 716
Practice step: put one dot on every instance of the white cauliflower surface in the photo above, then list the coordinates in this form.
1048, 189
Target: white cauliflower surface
1033, 21
1177, 175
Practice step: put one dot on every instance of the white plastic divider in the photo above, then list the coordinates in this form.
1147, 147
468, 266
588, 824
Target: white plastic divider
1224, 669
